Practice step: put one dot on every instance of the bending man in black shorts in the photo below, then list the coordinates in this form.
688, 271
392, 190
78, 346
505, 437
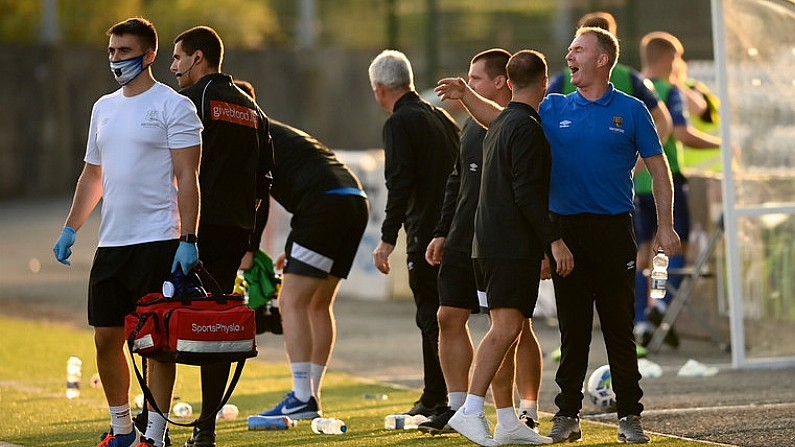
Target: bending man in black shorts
330, 212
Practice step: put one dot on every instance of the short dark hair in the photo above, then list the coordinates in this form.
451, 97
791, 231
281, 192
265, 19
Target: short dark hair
496, 59
606, 40
526, 68
138, 27
246, 87
600, 19
658, 43
206, 39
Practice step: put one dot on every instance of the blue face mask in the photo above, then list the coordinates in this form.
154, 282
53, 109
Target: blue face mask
126, 70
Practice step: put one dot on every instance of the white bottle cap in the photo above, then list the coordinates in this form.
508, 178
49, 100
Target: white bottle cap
168, 289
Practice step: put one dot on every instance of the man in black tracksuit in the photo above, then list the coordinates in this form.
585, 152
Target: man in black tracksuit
234, 176
421, 143
512, 234
451, 249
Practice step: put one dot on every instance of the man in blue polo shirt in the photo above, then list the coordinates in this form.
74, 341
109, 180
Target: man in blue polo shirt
623, 77
595, 135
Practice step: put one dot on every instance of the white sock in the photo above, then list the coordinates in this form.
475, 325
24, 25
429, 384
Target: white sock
156, 428
302, 384
507, 418
317, 372
530, 407
474, 404
456, 399
642, 327
121, 420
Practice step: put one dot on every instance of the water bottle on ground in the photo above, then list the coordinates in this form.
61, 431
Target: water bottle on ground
328, 426
74, 371
376, 396
403, 421
659, 275
258, 422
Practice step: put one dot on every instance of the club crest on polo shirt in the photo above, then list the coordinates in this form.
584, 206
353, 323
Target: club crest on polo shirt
618, 123
152, 119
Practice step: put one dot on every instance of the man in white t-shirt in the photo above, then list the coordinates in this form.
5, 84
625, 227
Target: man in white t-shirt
142, 159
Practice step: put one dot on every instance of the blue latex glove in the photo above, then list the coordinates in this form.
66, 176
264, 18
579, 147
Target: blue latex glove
187, 256
63, 246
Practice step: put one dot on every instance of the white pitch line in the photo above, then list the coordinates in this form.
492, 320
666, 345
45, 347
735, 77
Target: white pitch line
721, 408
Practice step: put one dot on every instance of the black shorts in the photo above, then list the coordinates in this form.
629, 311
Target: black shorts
457, 281
120, 276
325, 236
509, 283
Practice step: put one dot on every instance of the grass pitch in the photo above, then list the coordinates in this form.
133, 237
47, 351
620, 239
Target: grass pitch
35, 412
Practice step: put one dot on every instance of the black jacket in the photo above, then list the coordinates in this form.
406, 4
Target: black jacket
237, 153
305, 168
512, 217
420, 143
461, 193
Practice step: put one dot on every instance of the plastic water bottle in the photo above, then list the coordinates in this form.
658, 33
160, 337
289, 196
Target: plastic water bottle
258, 422
376, 396
659, 275
74, 371
228, 412
328, 426
403, 421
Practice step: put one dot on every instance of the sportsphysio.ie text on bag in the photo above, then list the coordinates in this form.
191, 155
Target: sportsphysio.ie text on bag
185, 324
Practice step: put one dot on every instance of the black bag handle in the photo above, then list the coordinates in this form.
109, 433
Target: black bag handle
148, 397
208, 281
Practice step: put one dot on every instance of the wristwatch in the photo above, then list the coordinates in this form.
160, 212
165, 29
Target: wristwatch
190, 238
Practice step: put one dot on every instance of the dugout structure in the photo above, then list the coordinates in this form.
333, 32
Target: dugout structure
755, 61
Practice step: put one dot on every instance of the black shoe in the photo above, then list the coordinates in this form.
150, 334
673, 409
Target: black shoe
141, 420
645, 338
201, 438
437, 424
655, 317
421, 408
531, 423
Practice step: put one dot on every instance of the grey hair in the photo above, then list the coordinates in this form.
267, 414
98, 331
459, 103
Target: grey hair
391, 69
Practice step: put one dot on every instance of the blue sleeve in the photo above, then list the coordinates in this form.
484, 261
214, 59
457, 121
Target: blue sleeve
643, 92
676, 106
647, 142
555, 84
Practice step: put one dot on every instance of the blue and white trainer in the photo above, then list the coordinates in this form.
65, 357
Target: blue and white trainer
128, 440
295, 409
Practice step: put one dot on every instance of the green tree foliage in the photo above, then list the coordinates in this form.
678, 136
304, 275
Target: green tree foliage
243, 23
252, 24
